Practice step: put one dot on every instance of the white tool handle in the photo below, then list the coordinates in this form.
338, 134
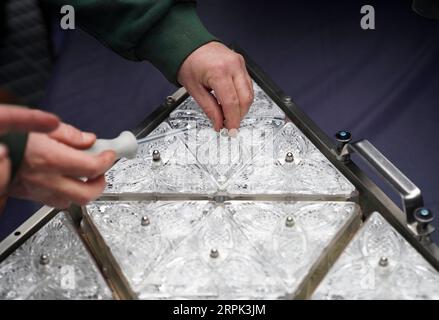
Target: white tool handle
125, 145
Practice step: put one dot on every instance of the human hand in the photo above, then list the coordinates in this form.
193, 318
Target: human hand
18, 119
216, 67
53, 165
5, 168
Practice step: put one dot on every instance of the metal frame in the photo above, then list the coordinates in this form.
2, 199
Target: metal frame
26, 230
371, 197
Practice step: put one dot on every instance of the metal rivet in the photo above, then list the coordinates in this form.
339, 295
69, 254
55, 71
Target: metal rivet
156, 155
170, 100
145, 221
343, 136
44, 259
214, 253
289, 157
384, 262
424, 216
289, 222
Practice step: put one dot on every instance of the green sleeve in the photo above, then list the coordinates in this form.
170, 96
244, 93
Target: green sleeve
163, 32
16, 143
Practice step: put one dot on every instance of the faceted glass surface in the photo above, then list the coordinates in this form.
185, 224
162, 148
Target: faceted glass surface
203, 161
231, 250
263, 106
380, 264
176, 171
242, 242
306, 172
52, 264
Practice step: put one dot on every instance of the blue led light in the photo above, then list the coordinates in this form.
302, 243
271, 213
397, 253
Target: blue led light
425, 212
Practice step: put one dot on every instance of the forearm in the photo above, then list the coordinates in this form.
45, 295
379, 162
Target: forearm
163, 32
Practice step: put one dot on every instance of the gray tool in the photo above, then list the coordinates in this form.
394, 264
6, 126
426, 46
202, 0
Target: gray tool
126, 144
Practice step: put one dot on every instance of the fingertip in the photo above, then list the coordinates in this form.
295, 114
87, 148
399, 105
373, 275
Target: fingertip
3, 151
217, 126
218, 122
233, 133
230, 125
99, 180
100, 183
88, 138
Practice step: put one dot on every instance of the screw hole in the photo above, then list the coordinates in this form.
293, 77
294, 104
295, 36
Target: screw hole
17, 233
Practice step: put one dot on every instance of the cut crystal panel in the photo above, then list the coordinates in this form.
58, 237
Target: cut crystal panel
231, 250
138, 246
52, 264
306, 172
177, 171
245, 241
263, 106
379, 264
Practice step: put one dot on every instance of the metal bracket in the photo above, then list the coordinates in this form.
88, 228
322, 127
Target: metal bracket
418, 217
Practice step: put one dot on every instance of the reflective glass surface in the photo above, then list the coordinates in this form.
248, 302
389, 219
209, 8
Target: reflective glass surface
52, 264
380, 264
231, 250
211, 220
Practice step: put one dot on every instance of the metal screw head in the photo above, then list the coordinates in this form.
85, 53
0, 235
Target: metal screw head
289, 222
343, 136
145, 221
156, 155
170, 100
288, 100
44, 259
424, 215
289, 157
384, 262
214, 253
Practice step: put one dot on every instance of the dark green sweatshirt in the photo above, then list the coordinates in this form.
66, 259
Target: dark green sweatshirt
163, 32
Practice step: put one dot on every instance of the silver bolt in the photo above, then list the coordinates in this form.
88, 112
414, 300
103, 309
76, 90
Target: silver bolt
44, 259
288, 100
214, 253
145, 221
170, 100
384, 262
156, 155
289, 222
289, 157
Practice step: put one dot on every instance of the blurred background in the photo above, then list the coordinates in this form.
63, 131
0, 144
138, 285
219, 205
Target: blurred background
380, 84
